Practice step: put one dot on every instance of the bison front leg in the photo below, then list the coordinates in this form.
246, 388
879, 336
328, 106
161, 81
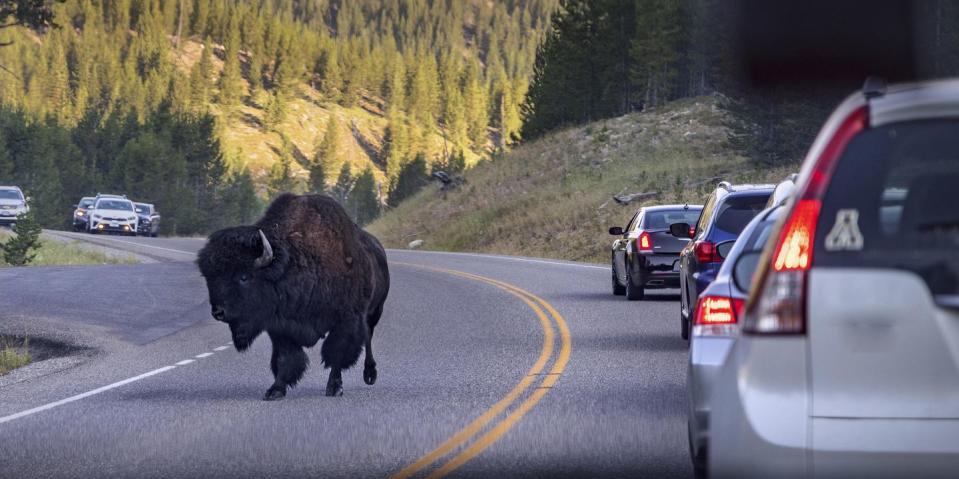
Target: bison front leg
288, 364
341, 349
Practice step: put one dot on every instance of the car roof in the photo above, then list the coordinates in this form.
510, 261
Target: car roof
914, 101
144, 204
10, 188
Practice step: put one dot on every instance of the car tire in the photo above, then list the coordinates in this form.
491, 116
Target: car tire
618, 289
154, 235
685, 326
633, 292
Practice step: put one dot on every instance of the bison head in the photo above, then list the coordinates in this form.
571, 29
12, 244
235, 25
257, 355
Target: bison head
241, 267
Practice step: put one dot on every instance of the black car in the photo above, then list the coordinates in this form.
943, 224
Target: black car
646, 255
148, 219
81, 213
728, 210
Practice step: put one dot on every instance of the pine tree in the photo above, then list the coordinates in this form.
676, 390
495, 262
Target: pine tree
327, 152
363, 202
200, 77
21, 248
231, 81
477, 107
412, 178
344, 185
275, 111
396, 144
329, 70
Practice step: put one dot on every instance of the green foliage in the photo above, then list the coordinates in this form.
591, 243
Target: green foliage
283, 178
21, 248
412, 178
363, 202
344, 185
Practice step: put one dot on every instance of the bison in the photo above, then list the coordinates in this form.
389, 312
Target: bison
303, 272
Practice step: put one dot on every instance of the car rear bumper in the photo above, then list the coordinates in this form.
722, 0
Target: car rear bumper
760, 425
706, 355
656, 270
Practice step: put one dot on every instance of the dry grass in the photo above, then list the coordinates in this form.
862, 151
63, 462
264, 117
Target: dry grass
54, 252
552, 197
13, 356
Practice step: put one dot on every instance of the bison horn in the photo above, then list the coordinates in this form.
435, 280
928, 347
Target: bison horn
267, 257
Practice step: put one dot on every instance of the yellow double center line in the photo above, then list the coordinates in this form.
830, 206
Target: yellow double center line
472, 430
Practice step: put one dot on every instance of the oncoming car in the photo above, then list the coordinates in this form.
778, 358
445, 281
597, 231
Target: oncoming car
149, 219
12, 203
112, 214
81, 213
646, 255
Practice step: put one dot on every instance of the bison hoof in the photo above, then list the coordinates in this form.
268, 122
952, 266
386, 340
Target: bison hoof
274, 394
369, 375
334, 390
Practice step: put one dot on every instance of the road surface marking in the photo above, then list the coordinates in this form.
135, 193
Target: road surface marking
504, 258
221, 348
80, 396
477, 425
184, 362
203, 355
514, 417
94, 240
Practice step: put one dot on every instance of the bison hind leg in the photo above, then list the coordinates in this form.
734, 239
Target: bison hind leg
341, 349
369, 364
288, 364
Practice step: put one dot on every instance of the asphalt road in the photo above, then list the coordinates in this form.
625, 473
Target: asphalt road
454, 351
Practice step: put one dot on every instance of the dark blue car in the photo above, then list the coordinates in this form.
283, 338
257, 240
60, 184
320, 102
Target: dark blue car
727, 211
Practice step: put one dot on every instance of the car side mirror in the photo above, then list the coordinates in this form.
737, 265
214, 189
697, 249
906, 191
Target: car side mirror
744, 269
616, 231
723, 249
680, 230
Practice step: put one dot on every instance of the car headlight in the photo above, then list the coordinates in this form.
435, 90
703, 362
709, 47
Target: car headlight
79, 213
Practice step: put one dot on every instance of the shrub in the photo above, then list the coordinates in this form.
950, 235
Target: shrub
21, 248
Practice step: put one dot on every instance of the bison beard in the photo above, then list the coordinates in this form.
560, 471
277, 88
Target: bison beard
303, 272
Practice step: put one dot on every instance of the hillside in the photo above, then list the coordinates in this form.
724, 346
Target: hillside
553, 197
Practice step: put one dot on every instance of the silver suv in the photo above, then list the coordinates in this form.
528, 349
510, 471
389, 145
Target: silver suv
12, 203
848, 363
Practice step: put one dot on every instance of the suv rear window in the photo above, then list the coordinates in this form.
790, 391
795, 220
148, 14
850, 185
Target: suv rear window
736, 212
900, 181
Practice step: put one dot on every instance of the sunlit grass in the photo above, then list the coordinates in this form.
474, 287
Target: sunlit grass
553, 197
54, 252
13, 356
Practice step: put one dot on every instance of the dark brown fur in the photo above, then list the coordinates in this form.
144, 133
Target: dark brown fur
327, 277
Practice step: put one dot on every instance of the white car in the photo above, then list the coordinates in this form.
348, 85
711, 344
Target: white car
112, 214
848, 362
12, 203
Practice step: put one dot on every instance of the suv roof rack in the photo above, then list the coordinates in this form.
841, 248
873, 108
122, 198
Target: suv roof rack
874, 87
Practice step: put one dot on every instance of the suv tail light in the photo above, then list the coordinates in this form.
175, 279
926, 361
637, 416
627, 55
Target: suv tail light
779, 291
644, 242
717, 315
706, 252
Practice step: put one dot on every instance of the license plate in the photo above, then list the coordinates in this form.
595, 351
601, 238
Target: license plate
114, 225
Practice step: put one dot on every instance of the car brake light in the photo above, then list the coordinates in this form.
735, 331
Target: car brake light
645, 242
717, 316
706, 252
779, 296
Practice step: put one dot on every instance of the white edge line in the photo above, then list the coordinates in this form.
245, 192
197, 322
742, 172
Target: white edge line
203, 355
221, 348
184, 362
504, 258
94, 240
80, 396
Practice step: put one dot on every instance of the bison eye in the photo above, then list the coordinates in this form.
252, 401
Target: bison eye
244, 278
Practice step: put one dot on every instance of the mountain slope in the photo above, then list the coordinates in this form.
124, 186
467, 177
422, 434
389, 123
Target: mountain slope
553, 197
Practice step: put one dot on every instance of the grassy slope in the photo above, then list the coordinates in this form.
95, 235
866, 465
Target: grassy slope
244, 137
13, 354
54, 252
552, 197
